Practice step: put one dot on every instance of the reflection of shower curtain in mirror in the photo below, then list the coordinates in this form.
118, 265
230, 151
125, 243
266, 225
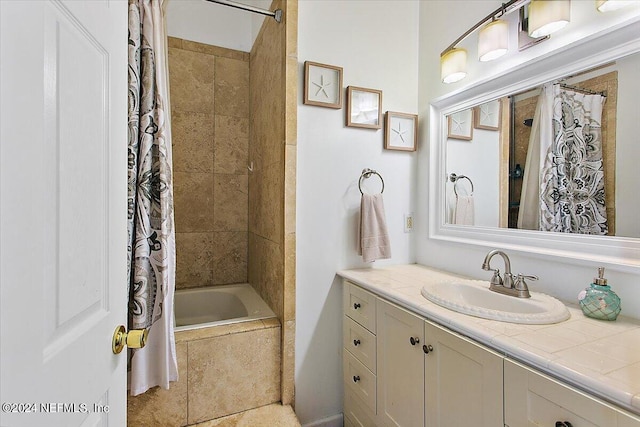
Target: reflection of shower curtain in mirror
572, 195
541, 130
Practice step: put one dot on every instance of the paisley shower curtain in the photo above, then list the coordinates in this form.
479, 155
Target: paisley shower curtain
572, 195
151, 251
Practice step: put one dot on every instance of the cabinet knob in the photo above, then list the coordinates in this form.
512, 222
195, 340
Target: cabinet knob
356, 378
414, 341
427, 349
563, 424
356, 342
356, 305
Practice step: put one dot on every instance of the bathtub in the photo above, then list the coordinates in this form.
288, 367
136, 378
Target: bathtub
218, 305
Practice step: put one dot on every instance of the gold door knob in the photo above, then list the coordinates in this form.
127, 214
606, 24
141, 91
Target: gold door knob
135, 338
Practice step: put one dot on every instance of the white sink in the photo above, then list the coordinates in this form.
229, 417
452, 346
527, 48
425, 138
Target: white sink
473, 297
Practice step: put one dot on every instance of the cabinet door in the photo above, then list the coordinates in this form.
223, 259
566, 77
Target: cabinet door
463, 381
534, 399
400, 367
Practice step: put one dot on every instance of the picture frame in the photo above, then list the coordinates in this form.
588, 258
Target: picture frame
460, 125
322, 85
364, 107
488, 115
401, 131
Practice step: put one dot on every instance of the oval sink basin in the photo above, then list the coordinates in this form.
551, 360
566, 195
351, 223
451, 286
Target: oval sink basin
473, 297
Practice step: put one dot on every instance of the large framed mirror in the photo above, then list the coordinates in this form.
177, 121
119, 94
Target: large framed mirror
544, 159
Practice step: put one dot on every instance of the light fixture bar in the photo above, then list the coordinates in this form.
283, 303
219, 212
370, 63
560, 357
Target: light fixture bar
503, 10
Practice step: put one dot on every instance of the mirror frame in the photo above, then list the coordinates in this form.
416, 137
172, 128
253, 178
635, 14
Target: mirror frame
618, 253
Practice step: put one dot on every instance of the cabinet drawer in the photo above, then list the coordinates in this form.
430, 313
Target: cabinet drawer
360, 342
532, 398
359, 380
356, 412
360, 305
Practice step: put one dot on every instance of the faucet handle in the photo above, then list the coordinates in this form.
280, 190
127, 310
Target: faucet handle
496, 279
520, 284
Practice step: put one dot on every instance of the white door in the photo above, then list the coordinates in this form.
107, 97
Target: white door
62, 212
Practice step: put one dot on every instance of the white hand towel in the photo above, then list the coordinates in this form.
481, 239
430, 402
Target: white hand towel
373, 237
464, 214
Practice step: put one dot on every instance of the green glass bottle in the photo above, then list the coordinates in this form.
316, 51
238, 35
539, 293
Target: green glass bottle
598, 300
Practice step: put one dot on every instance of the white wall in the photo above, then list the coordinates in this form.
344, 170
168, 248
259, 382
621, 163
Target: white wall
210, 23
445, 25
376, 42
479, 160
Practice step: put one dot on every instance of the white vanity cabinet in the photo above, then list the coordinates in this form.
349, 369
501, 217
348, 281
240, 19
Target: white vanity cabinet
400, 366
534, 399
463, 381
422, 373
403, 370
359, 356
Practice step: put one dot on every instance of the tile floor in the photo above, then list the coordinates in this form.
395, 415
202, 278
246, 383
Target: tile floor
274, 415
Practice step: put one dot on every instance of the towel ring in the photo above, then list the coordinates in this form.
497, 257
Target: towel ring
366, 173
454, 178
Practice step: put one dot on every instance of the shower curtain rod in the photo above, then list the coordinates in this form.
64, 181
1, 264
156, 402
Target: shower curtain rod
277, 14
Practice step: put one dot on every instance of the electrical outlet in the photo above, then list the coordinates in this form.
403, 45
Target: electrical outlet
408, 222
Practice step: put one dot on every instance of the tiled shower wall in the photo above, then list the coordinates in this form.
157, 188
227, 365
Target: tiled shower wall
209, 95
272, 185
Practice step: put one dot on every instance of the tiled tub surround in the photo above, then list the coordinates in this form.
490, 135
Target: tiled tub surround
223, 370
209, 88
600, 357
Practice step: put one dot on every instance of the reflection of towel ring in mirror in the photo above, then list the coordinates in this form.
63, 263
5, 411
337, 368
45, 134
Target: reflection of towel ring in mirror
454, 178
366, 173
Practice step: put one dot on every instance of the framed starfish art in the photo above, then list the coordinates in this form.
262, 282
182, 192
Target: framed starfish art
460, 125
364, 108
322, 85
487, 115
401, 131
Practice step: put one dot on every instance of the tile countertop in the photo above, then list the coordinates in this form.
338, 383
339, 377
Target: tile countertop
599, 357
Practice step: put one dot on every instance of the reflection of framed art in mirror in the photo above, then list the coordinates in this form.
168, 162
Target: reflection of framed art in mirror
487, 115
460, 125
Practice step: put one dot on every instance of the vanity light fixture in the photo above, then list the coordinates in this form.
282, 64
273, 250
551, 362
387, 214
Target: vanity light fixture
548, 16
544, 18
493, 40
609, 5
492, 43
453, 65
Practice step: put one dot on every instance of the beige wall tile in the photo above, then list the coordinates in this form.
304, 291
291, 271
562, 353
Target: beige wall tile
194, 259
229, 257
192, 141
162, 408
274, 415
224, 377
215, 50
290, 189
288, 361
191, 80
193, 201
289, 282
174, 42
231, 145
266, 272
232, 87
231, 202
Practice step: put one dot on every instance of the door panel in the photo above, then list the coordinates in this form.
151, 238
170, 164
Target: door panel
400, 367
63, 211
463, 381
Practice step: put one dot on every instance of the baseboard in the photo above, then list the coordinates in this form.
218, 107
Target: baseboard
332, 421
